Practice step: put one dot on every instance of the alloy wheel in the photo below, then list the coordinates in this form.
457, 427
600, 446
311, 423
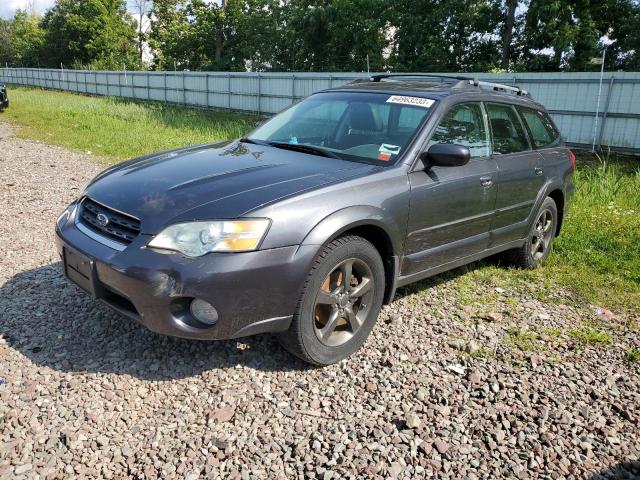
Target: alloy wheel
542, 234
343, 302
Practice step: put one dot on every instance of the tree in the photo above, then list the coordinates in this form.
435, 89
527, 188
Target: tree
27, 39
332, 35
561, 34
628, 44
507, 32
171, 36
96, 33
446, 35
6, 43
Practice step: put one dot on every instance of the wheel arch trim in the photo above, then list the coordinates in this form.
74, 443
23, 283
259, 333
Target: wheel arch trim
358, 217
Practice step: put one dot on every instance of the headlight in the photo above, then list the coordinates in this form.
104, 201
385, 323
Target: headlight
69, 213
194, 239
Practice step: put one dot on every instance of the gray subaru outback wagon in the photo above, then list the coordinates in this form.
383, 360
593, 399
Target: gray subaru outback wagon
307, 226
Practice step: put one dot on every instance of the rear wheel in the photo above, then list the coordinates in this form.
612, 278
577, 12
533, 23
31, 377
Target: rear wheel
538, 245
340, 302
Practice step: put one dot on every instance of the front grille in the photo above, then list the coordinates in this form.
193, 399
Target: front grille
119, 227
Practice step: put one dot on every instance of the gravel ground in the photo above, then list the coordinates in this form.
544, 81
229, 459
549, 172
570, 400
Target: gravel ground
442, 388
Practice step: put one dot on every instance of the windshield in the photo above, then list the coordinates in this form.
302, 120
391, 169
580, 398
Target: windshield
366, 127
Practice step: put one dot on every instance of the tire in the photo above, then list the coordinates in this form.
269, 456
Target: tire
540, 238
333, 320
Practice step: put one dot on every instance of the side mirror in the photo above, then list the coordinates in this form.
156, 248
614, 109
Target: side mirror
446, 155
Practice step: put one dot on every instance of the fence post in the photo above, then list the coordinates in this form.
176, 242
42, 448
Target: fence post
184, 91
229, 91
208, 88
259, 94
164, 82
293, 88
605, 111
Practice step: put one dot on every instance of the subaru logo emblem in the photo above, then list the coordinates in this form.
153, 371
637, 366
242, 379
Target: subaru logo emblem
102, 219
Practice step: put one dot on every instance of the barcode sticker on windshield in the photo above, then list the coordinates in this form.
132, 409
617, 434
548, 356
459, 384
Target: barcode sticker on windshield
414, 101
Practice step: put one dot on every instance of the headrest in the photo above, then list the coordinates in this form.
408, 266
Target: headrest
362, 117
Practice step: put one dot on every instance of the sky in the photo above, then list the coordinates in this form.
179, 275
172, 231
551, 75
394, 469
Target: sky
8, 7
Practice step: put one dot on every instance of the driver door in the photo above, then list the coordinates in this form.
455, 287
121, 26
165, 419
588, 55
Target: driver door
451, 207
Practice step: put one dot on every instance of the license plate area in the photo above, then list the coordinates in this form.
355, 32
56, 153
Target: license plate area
79, 269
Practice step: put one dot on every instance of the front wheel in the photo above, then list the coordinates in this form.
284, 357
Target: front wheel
538, 245
340, 302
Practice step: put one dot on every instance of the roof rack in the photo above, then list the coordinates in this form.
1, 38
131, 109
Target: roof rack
500, 87
456, 81
421, 76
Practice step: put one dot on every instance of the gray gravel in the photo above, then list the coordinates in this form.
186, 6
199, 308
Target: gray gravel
441, 389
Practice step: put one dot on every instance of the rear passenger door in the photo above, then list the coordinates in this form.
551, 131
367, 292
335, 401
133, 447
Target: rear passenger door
451, 207
520, 174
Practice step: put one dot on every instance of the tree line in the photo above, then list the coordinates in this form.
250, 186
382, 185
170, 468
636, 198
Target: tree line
327, 35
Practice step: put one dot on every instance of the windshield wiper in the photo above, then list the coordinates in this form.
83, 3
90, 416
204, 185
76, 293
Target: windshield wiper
251, 140
299, 147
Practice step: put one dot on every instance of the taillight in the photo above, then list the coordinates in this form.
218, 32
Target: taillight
572, 158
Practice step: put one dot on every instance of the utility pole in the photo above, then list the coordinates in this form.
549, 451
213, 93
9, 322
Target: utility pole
595, 120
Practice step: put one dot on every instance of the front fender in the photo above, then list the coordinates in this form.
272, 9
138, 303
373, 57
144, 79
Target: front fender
348, 218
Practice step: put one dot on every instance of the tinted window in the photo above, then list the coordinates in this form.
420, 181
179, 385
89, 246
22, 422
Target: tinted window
464, 125
542, 130
508, 134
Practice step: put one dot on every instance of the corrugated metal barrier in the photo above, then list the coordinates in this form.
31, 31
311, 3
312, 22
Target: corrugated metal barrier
571, 98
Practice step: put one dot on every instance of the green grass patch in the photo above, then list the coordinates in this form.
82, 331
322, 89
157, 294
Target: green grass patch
551, 332
483, 353
117, 129
588, 335
523, 340
633, 355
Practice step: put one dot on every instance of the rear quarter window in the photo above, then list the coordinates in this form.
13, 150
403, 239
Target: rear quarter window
543, 131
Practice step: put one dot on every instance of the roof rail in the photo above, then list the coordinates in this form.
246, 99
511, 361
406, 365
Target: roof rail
421, 76
457, 81
500, 87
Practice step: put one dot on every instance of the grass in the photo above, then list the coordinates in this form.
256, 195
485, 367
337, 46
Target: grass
523, 340
117, 129
633, 355
588, 335
596, 259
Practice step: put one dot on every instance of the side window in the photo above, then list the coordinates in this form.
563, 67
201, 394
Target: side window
540, 126
464, 125
508, 134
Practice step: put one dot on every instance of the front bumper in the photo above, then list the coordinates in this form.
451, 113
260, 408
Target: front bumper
253, 292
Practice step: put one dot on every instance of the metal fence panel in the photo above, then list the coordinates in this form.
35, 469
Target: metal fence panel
572, 98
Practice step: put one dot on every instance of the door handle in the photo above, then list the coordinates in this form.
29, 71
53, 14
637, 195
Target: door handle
538, 170
486, 181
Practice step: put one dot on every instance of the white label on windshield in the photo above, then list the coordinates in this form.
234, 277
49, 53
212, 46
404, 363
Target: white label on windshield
415, 101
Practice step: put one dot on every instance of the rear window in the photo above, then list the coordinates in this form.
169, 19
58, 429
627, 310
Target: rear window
542, 130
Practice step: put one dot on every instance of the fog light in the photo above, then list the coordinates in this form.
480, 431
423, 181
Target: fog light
203, 312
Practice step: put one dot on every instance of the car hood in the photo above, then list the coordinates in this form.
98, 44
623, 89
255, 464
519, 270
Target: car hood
224, 180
